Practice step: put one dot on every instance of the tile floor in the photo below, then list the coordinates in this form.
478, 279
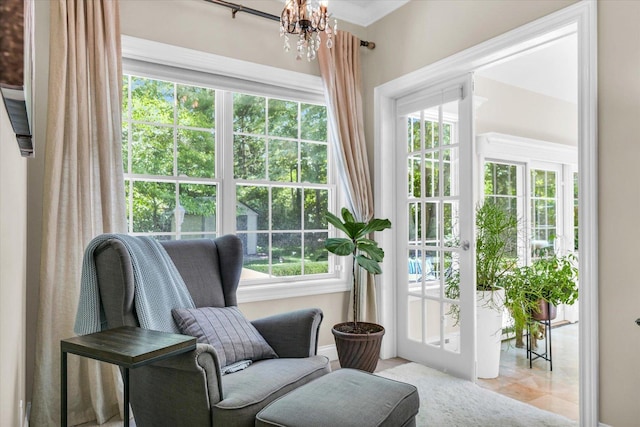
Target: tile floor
555, 391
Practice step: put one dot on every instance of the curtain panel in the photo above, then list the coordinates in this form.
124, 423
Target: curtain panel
342, 77
82, 197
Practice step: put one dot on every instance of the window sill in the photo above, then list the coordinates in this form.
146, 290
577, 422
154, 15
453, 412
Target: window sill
265, 292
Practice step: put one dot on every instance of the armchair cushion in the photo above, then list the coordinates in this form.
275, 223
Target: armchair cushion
227, 330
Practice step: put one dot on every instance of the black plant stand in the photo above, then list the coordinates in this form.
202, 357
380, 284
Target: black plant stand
547, 342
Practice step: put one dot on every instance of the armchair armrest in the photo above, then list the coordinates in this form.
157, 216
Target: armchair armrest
292, 334
179, 390
203, 359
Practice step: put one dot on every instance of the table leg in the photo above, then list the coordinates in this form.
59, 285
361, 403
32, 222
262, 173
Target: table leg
126, 396
63, 388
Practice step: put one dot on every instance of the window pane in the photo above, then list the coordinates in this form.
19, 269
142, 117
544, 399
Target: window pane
316, 205
415, 223
431, 223
283, 161
449, 171
283, 118
249, 114
252, 208
152, 150
199, 204
431, 178
415, 174
313, 122
313, 162
153, 207
249, 155
286, 254
152, 100
286, 204
196, 153
539, 183
256, 254
196, 106
431, 132
446, 133
315, 255
414, 141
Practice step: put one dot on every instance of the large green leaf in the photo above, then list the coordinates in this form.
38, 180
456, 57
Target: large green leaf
376, 225
336, 222
339, 246
372, 249
368, 264
347, 216
354, 229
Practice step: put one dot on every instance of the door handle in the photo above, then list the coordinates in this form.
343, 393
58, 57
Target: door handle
466, 245
638, 321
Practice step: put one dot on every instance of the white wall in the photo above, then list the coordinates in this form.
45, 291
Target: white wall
519, 112
13, 274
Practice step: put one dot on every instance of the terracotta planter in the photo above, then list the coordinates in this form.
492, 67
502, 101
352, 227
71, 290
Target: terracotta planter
358, 351
546, 311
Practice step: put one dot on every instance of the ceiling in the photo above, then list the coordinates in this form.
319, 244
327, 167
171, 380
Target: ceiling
551, 69
363, 12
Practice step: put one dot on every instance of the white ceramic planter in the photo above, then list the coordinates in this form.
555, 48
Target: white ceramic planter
489, 332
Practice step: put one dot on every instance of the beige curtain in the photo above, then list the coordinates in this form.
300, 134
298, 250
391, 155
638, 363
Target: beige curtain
340, 70
83, 197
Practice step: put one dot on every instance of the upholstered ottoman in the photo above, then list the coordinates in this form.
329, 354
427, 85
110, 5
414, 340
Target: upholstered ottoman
346, 397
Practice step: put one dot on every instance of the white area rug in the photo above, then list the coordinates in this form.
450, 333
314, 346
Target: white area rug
448, 401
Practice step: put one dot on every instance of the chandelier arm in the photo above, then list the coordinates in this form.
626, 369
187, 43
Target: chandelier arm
235, 8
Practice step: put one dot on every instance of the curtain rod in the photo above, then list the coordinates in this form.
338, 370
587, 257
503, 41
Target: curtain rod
235, 8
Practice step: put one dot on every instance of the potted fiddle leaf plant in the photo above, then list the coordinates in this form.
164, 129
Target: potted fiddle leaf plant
358, 343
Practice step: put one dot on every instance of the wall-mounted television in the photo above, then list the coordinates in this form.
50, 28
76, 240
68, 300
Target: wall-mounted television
16, 24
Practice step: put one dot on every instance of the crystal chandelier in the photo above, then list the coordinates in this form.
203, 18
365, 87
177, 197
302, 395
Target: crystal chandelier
307, 19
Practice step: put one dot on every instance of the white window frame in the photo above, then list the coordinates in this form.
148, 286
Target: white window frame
167, 62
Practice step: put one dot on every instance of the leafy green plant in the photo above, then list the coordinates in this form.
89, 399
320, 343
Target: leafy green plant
365, 252
551, 278
496, 252
496, 245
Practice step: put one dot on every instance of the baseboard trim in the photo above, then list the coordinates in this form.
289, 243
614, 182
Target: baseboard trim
329, 351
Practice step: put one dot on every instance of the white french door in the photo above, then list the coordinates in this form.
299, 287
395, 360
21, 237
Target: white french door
435, 202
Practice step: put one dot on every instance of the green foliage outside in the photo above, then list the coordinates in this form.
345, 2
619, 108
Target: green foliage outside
280, 156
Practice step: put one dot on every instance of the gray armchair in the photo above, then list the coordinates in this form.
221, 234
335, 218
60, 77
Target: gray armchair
188, 390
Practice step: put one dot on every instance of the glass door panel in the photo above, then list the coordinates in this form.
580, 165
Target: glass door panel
437, 326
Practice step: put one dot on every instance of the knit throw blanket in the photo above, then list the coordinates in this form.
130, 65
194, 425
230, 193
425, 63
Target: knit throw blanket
158, 286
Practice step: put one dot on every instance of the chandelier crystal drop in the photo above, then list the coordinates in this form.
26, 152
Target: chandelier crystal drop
306, 19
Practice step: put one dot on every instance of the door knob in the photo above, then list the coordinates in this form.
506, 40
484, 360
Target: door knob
638, 321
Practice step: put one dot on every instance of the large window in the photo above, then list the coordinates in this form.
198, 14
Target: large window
201, 161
